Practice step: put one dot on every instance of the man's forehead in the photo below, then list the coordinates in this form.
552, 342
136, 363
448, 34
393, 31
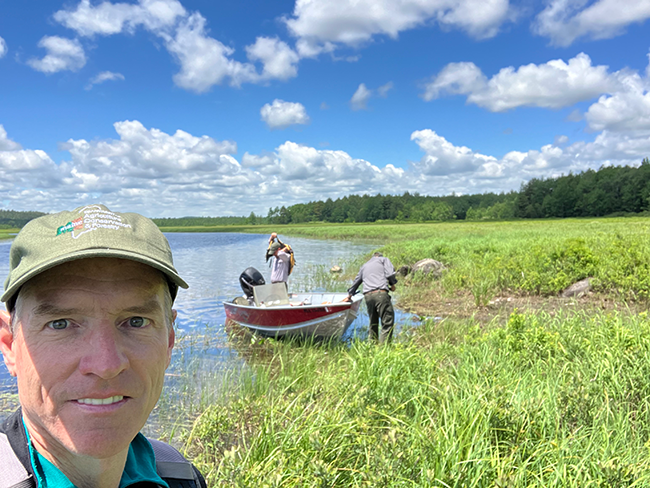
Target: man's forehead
102, 273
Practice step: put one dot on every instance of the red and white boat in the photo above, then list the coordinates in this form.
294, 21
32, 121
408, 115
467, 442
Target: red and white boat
272, 312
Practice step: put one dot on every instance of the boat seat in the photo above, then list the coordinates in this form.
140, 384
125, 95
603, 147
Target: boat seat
271, 295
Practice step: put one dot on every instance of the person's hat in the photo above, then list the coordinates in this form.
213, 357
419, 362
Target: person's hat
86, 232
272, 249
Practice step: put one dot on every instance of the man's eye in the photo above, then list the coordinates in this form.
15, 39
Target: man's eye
59, 324
138, 322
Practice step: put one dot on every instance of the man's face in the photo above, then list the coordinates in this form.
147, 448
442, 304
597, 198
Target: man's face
90, 345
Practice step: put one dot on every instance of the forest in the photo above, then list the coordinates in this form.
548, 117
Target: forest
611, 190
11, 219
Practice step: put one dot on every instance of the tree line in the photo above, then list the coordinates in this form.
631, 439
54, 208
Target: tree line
611, 190
12, 219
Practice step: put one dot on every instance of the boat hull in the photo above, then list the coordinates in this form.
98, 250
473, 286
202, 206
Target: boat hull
317, 315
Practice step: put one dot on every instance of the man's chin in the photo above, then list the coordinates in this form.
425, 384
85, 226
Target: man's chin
99, 443
97, 438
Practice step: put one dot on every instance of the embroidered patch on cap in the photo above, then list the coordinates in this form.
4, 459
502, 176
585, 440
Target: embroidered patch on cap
95, 217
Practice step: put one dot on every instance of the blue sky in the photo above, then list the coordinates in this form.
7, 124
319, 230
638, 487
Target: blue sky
195, 107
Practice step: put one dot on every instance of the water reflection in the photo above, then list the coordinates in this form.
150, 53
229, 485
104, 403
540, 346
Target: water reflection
211, 263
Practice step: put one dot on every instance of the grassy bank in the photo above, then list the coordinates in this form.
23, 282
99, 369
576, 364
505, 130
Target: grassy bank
488, 259
540, 399
8, 233
545, 401
538, 258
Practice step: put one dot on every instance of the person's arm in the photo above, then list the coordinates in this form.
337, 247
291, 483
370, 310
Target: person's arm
389, 271
392, 281
355, 284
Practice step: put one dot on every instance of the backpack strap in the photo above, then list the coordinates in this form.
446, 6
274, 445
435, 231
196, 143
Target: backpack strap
177, 471
173, 467
13, 474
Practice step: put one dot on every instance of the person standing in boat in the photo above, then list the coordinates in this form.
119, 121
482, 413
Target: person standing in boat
283, 262
378, 278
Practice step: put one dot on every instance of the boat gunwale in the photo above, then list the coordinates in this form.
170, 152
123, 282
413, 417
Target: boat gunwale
296, 306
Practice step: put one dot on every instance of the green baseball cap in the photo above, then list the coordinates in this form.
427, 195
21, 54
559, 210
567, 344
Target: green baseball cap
87, 232
272, 249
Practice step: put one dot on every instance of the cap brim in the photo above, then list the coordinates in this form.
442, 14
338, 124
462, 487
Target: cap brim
93, 253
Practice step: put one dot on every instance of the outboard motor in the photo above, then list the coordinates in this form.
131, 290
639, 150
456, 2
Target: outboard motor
250, 278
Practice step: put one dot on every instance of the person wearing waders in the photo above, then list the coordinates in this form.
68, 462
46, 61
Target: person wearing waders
282, 263
88, 334
378, 278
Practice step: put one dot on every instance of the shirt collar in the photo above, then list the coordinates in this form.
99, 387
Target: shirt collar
140, 466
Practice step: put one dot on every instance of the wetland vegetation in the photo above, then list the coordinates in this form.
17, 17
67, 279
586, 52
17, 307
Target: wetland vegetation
513, 387
503, 384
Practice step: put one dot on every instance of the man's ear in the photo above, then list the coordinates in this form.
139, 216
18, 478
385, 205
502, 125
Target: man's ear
4, 318
6, 342
172, 338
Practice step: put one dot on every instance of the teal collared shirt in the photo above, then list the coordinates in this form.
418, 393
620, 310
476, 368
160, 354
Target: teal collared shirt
140, 466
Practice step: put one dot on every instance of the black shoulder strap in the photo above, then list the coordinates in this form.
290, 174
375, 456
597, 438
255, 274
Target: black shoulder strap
174, 468
13, 474
170, 464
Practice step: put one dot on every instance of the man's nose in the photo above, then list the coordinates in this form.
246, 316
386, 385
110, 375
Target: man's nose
104, 356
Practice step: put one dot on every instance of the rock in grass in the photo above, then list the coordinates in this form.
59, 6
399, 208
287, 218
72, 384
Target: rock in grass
578, 289
336, 269
429, 266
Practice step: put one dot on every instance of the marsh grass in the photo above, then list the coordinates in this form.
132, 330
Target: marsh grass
516, 258
528, 257
8, 233
530, 399
544, 401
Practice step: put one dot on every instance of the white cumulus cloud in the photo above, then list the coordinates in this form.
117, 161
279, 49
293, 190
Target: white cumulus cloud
278, 59
447, 168
150, 154
108, 18
281, 114
22, 169
296, 172
455, 79
62, 54
3, 47
383, 90
204, 61
359, 100
626, 109
104, 76
443, 158
564, 21
7, 144
160, 174
175, 174
322, 24
554, 84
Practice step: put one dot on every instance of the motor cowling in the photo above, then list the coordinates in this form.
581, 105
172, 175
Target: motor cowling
250, 278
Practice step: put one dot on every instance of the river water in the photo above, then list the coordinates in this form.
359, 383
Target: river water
211, 264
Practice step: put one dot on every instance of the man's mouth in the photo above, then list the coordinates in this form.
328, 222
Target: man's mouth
101, 401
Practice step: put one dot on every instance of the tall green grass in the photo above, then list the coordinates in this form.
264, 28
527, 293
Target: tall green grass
546, 401
8, 233
540, 257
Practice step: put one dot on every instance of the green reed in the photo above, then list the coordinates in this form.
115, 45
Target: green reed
8, 233
539, 257
544, 401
